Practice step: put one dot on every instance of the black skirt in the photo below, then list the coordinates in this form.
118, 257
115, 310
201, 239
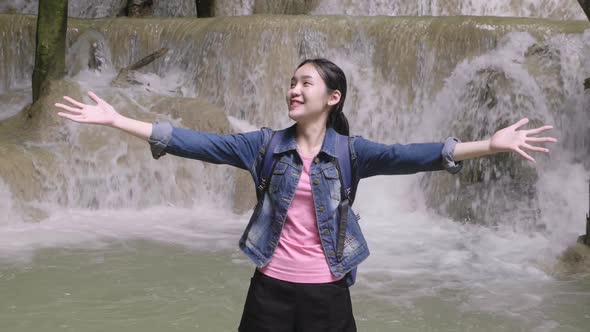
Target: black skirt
279, 306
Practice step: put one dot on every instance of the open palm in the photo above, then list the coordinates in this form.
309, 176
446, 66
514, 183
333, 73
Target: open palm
520, 141
101, 113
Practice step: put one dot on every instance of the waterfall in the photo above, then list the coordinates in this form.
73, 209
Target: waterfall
481, 243
554, 9
425, 79
104, 8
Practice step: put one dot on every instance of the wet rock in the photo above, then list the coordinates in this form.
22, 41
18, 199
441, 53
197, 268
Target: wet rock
484, 90
202, 116
177, 8
88, 51
492, 188
574, 261
161, 8
96, 57
195, 114
543, 62
285, 7
543, 51
50, 159
139, 8
126, 75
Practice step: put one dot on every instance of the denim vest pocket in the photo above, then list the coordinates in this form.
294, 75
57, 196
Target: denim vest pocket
278, 176
333, 181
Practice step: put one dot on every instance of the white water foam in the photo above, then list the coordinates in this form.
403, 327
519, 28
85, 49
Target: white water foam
201, 227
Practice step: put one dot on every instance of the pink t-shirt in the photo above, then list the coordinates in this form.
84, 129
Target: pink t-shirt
299, 256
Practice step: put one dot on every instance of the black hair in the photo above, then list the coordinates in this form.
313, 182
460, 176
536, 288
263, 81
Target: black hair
335, 79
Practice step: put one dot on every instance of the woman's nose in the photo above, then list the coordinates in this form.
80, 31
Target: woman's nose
294, 91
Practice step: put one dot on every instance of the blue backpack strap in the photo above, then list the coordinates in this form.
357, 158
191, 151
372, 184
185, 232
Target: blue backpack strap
354, 180
267, 163
343, 155
346, 168
348, 187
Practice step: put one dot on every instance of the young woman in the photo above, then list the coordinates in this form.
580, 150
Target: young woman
302, 276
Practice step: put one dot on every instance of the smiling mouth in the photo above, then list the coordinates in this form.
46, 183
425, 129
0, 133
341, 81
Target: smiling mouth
295, 103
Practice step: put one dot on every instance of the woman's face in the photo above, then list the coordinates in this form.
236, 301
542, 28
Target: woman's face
307, 98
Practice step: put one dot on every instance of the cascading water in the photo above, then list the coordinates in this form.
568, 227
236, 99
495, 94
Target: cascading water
16, 64
525, 8
568, 9
105, 8
80, 201
554, 9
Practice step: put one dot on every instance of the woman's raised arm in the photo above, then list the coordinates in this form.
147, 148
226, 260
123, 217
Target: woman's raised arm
103, 114
508, 139
239, 150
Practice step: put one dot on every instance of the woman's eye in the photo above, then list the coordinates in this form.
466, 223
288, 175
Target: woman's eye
306, 84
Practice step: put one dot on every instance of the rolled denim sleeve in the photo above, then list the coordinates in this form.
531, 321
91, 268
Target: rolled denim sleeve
161, 134
449, 162
380, 159
239, 150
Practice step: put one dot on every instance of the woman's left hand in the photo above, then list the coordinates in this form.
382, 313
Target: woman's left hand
510, 139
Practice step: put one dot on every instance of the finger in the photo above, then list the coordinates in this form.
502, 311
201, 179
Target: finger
520, 123
76, 103
535, 148
72, 117
538, 130
541, 139
94, 97
525, 155
68, 108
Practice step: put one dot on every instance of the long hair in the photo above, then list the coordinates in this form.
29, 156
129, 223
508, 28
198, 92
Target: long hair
335, 79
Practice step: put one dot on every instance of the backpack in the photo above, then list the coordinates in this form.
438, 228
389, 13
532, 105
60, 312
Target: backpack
345, 164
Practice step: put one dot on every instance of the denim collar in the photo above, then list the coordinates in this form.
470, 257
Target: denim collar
289, 144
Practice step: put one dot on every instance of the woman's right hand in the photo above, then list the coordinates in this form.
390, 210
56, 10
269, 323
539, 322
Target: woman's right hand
102, 113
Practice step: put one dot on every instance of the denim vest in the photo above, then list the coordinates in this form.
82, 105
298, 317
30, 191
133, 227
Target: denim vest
263, 232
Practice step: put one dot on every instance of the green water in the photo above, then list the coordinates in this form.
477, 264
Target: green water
139, 286
149, 286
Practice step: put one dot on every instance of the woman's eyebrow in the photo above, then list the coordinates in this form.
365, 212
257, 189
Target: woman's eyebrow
304, 77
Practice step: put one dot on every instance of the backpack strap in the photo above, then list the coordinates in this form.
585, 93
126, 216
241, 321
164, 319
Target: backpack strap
345, 164
343, 155
346, 168
267, 163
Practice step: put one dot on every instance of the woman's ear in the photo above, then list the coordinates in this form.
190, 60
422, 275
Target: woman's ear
334, 98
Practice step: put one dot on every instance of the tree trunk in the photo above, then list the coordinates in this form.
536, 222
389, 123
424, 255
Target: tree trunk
204, 8
585, 4
50, 58
586, 7
585, 239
